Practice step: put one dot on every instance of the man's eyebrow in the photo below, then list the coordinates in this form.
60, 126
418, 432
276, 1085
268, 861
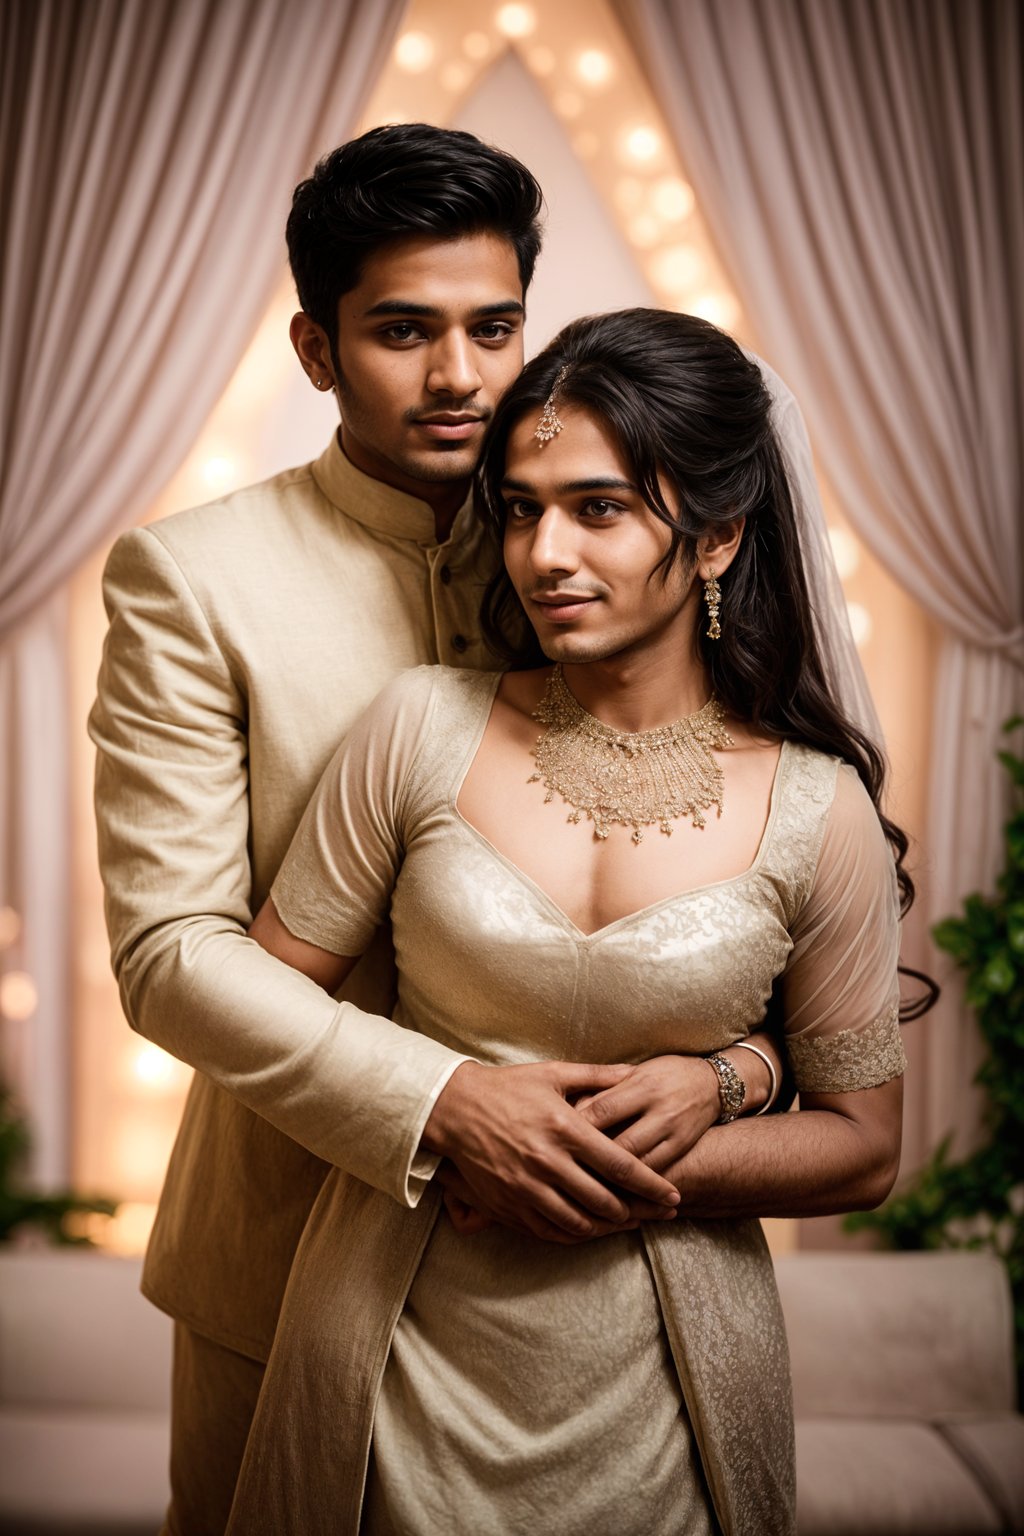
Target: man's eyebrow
431, 312
569, 487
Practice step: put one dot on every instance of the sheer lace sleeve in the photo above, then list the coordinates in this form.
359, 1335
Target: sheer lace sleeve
840, 987
335, 884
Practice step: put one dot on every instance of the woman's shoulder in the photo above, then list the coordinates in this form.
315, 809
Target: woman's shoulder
801, 800
421, 687
799, 780
833, 816
429, 707
810, 772
843, 793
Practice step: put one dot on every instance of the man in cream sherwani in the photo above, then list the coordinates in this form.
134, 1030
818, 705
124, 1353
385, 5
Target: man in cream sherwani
245, 638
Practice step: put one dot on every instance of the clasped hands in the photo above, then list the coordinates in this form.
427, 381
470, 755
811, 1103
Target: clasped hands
567, 1151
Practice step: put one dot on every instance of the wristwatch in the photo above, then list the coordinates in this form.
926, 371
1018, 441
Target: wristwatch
731, 1088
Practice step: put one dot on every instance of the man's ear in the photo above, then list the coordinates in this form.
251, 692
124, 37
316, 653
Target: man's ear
717, 549
313, 350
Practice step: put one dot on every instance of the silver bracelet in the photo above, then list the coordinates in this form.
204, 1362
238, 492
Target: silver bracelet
744, 1045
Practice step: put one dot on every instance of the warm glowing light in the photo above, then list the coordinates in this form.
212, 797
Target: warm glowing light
476, 45
127, 1232
414, 52
677, 268
515, 20
10, 927
586, 144
644, 231
218, 472
641, 144
155, 1068
541, 60
568, 104
860, 623
140, 1146
845, 552
18, 995
267, 366
672, 198
594, 67
629, 193
456, 76
719, 309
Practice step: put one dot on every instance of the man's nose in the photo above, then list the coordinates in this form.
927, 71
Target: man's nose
453, 368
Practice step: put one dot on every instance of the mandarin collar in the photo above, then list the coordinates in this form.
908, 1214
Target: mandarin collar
375, 504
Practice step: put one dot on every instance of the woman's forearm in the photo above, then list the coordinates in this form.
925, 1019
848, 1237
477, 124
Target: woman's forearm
826, 1157
666, 1103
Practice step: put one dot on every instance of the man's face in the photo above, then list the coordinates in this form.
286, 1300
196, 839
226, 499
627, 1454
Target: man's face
582, 548
427, 342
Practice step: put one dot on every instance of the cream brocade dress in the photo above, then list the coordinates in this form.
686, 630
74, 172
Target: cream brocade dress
427, 1384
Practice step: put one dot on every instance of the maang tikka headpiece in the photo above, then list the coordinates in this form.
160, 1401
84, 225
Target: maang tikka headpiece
549, 424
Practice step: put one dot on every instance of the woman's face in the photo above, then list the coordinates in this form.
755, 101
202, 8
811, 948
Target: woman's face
582, 548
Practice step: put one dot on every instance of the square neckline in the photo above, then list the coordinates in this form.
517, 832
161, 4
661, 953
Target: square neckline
580, 934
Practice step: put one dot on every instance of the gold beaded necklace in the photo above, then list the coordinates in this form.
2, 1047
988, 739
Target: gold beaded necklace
628, 778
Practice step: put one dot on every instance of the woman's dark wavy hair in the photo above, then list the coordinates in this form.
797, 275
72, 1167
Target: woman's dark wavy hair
685, 403
400, 180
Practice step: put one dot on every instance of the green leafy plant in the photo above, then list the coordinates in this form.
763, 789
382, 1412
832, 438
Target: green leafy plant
978, 1201
21, 1207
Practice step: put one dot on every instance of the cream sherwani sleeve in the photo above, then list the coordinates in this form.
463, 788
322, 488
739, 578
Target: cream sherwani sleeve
172, 790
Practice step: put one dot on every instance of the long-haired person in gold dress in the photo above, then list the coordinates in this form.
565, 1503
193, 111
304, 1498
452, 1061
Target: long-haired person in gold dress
615, 851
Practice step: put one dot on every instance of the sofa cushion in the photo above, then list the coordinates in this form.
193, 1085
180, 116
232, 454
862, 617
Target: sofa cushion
101, 1472
76, 1333
898, 1335
860, 1478
994, 1448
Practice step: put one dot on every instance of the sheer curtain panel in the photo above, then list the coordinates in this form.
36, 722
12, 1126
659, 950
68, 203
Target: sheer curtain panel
149, 152
861, 167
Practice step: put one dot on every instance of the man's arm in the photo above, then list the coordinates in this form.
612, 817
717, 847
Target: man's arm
172, 806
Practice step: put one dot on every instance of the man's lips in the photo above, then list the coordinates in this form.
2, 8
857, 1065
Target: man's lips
452, 428
560, 607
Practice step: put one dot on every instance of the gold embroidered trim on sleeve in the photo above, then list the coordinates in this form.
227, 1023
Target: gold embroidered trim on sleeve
851, 1059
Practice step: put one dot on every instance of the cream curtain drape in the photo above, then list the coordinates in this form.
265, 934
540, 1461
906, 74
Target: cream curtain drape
860, 164
149, 152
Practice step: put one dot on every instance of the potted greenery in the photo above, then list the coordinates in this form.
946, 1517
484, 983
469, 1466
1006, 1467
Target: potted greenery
22, 1208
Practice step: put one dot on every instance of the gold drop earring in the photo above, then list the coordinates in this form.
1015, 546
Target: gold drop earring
713, 596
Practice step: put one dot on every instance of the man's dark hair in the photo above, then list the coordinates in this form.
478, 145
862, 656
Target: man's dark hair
400, 180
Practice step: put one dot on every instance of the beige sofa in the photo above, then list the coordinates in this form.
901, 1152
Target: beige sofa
85, 1368
905, 1395
901, 1369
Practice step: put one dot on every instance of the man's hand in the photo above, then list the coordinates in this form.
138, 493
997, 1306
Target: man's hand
528, 1159
468, 1218
659, 1111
